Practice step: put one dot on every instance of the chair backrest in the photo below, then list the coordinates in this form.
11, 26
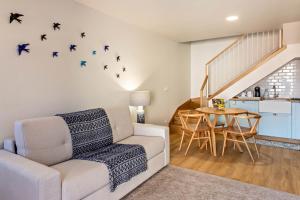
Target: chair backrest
186, 115
252, 118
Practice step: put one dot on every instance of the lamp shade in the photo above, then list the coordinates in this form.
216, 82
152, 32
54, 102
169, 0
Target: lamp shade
140, 98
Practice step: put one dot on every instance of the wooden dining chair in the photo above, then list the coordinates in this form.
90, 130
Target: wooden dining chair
237, 133
195, 126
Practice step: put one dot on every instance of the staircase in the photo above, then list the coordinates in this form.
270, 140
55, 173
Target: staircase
239, 59
175, 123
244, 56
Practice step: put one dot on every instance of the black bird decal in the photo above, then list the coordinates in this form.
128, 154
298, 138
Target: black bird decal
82, 35
23, 47
55, 54
118, 75
105, 67
124, 69
43, 37
73, 47
106, 48
56, 26
15, 16
118, 58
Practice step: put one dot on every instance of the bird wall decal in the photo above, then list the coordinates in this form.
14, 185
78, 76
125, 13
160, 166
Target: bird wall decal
44, 37
56, 26
105, 67
73, 47
106, 48
118, 75
83, 63
118, 58
15, 17
94, 52
124, 69
82, 35
23, 48
54, 54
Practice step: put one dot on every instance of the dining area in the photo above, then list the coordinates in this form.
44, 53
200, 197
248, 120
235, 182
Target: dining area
233, 125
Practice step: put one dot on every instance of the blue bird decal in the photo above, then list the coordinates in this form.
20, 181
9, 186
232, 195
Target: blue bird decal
94, 52
124, 69
73, 47
118, 75
54, 54
82, 34
83, 63
105, 67
106, 48
23, 47
118, 58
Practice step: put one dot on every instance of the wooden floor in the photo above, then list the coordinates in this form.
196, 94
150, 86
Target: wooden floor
277, 168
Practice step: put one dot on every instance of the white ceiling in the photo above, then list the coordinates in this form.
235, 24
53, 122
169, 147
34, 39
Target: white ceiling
191, 20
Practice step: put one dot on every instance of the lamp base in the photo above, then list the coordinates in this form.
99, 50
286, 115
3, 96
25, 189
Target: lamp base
140, 117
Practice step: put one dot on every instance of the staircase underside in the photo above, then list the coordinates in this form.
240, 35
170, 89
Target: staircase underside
266, 67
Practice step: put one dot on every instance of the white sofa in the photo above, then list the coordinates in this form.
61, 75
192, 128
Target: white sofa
42, 169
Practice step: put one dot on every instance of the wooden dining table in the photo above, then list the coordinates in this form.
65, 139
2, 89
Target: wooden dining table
212, 122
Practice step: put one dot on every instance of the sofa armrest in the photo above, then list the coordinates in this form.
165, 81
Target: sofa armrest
10, 145
155, 130
22, 178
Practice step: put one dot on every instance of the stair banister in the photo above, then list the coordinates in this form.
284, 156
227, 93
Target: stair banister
241, 57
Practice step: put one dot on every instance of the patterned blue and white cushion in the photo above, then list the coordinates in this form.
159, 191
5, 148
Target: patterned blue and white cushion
90, 130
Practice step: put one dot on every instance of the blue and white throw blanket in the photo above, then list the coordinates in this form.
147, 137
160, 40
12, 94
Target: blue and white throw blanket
92, 140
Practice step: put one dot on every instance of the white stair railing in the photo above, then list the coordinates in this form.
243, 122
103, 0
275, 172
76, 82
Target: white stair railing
240, 56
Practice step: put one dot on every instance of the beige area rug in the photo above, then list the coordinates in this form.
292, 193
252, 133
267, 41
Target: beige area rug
175, 183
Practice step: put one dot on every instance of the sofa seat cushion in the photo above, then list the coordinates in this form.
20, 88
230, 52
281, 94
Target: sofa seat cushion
153, 145
81, 178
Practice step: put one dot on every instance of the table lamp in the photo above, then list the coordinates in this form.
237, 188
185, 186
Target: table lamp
140, 99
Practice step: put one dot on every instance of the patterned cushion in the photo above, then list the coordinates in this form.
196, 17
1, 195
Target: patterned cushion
90, 130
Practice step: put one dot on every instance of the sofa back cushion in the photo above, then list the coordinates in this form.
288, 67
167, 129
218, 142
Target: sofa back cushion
45, 140
120, 121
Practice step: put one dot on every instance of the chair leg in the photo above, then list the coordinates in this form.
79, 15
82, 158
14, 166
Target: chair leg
256, 147
192, 138
206, 135
245, 142
182, 136
199, 143
224, 144
210, 143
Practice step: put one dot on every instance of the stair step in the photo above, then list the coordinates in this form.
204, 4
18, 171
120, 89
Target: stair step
175, 128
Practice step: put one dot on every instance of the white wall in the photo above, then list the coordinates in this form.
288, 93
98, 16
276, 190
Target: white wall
291, 33
36, 85
201, 53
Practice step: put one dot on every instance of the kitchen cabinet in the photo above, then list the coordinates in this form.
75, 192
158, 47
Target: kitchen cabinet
296, 120
276, 125
251, 106
276, 118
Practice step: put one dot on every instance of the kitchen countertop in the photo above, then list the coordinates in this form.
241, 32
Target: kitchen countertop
262, 99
